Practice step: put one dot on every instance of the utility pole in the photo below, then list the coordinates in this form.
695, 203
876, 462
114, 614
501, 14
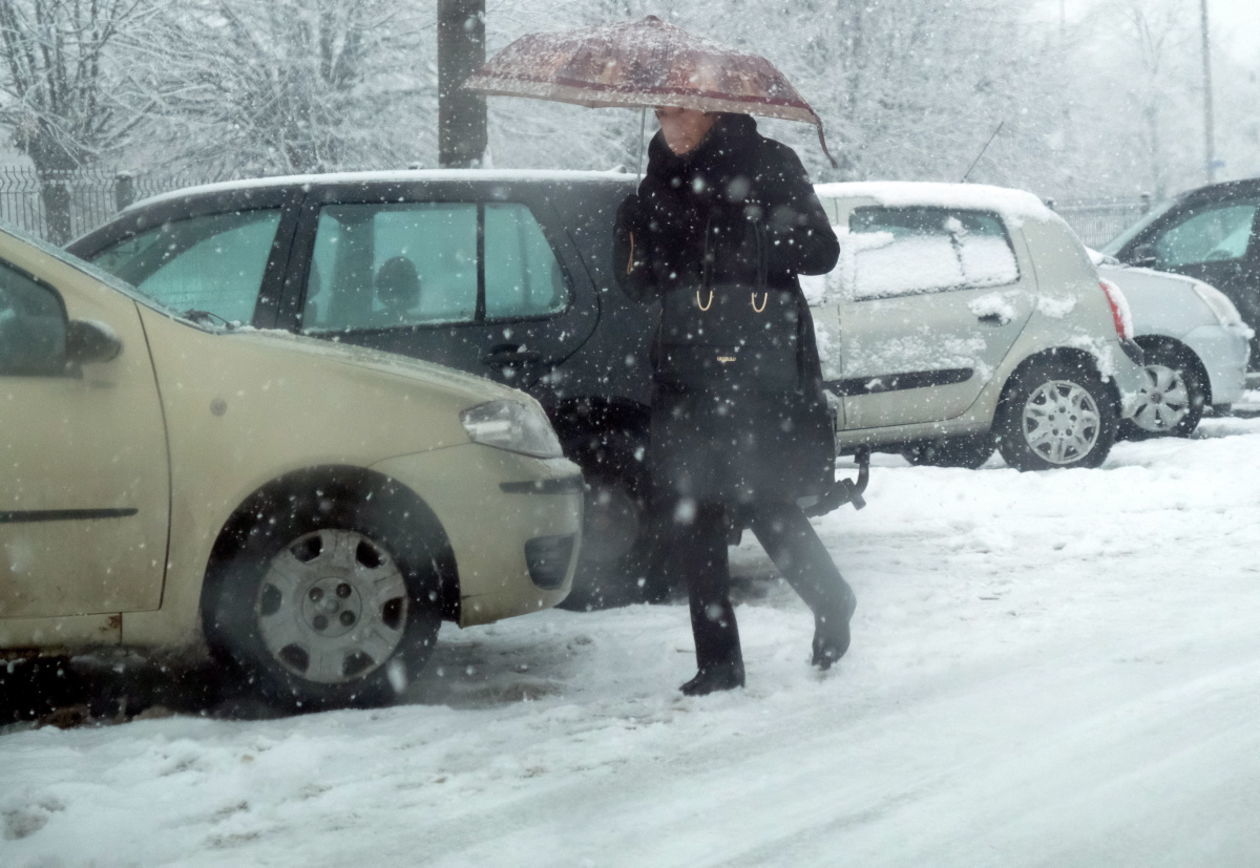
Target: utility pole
461, 34
1209, 137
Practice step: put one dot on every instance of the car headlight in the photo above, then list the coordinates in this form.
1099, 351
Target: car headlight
1217, 302
513, 426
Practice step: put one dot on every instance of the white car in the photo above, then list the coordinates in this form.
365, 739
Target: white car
963, 317
1196, 347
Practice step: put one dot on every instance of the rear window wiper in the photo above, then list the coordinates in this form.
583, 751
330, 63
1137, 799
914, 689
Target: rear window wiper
210, 318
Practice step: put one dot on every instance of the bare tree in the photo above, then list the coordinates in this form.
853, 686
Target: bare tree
286, 85
58, 86
1159, 41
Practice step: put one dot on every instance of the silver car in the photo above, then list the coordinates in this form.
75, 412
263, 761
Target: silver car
963, 317
1195, 342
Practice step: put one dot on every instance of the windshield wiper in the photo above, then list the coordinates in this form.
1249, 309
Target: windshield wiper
207, 317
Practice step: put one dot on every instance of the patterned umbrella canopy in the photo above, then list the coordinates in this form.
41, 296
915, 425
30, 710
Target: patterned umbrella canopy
642, 63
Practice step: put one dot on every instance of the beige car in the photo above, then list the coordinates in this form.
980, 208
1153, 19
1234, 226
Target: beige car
961, 318
307, 512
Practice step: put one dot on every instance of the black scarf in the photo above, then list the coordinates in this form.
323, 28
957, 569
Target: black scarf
714, 186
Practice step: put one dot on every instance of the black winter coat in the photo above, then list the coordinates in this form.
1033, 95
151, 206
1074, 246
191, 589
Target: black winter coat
738, 211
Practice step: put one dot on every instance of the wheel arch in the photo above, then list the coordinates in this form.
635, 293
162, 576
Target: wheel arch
1151, 343
338, 482
1072, 356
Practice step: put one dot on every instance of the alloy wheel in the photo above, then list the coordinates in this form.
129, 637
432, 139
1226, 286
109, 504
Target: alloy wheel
1061, 421
1165, 400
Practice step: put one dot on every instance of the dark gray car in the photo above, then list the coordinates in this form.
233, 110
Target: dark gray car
1210, 233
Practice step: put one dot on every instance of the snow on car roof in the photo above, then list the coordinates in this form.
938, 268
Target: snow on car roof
1009, 202
397, 176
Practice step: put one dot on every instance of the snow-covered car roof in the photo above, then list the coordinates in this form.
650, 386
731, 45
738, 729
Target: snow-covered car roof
394, 176
1006, 201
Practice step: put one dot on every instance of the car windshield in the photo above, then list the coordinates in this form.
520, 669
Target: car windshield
1113, 247
202, 319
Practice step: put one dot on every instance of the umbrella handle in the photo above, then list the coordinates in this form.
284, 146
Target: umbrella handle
643, 133
822, 140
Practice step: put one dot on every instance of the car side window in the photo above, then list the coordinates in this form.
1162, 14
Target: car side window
406, 264
890, 251
32, 326
523, 276
376, 266
1218, 234
212, 262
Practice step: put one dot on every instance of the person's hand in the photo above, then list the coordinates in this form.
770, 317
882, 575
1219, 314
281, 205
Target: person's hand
667, 211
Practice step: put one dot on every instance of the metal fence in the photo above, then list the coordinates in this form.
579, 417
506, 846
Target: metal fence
1097, 221
89, 196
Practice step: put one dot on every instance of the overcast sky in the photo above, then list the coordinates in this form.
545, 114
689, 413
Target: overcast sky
1234, 24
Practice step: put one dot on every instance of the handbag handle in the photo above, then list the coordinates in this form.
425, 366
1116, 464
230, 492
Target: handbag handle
763, 269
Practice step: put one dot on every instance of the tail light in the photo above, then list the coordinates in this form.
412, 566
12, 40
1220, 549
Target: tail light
1121, 318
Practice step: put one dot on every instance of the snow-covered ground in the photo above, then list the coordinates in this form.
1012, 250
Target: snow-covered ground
1047, 669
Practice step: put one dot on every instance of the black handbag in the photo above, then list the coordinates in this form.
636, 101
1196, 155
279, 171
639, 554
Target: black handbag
727, 336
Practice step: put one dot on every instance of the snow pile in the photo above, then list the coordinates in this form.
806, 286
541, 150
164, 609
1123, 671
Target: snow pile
1048, 668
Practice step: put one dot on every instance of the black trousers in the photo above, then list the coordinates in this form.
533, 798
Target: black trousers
696, 550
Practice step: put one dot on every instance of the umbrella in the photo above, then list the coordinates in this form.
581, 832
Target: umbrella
642, 64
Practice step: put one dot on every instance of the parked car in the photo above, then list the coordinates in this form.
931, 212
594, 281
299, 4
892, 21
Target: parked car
963, 317
1211, 234
502, 274
307, 511
507, 275
1194, 342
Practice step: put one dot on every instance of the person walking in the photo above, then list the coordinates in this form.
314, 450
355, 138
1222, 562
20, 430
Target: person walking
722, 223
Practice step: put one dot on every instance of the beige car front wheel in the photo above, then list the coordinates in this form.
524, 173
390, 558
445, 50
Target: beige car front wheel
330, 603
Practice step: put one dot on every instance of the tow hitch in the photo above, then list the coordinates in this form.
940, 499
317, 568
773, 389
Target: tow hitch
844, 491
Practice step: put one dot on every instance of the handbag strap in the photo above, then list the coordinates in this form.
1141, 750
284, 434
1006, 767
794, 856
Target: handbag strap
763, 262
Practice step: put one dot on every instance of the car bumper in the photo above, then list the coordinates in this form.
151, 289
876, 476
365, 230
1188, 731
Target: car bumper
513, 523
1126, 371
1224, 351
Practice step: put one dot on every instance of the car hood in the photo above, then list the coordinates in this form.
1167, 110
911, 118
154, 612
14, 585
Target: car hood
378, 362
252, 400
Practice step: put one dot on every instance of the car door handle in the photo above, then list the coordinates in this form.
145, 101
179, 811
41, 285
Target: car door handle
993, 319
505, 355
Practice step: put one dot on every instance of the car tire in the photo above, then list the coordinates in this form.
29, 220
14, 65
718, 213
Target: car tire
329, 600
969, 451
1173, 398
1056, 413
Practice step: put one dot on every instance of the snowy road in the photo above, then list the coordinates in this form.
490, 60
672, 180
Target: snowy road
1047, 669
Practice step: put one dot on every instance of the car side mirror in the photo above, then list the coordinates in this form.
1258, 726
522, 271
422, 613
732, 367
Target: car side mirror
1144, 256
90, 341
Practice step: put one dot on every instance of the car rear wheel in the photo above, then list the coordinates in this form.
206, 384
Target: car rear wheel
1173, 397
1056, 413
329, 603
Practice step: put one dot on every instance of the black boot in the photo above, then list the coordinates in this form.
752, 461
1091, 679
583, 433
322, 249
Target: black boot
787, 536
703, 553
831, 635
725, 676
